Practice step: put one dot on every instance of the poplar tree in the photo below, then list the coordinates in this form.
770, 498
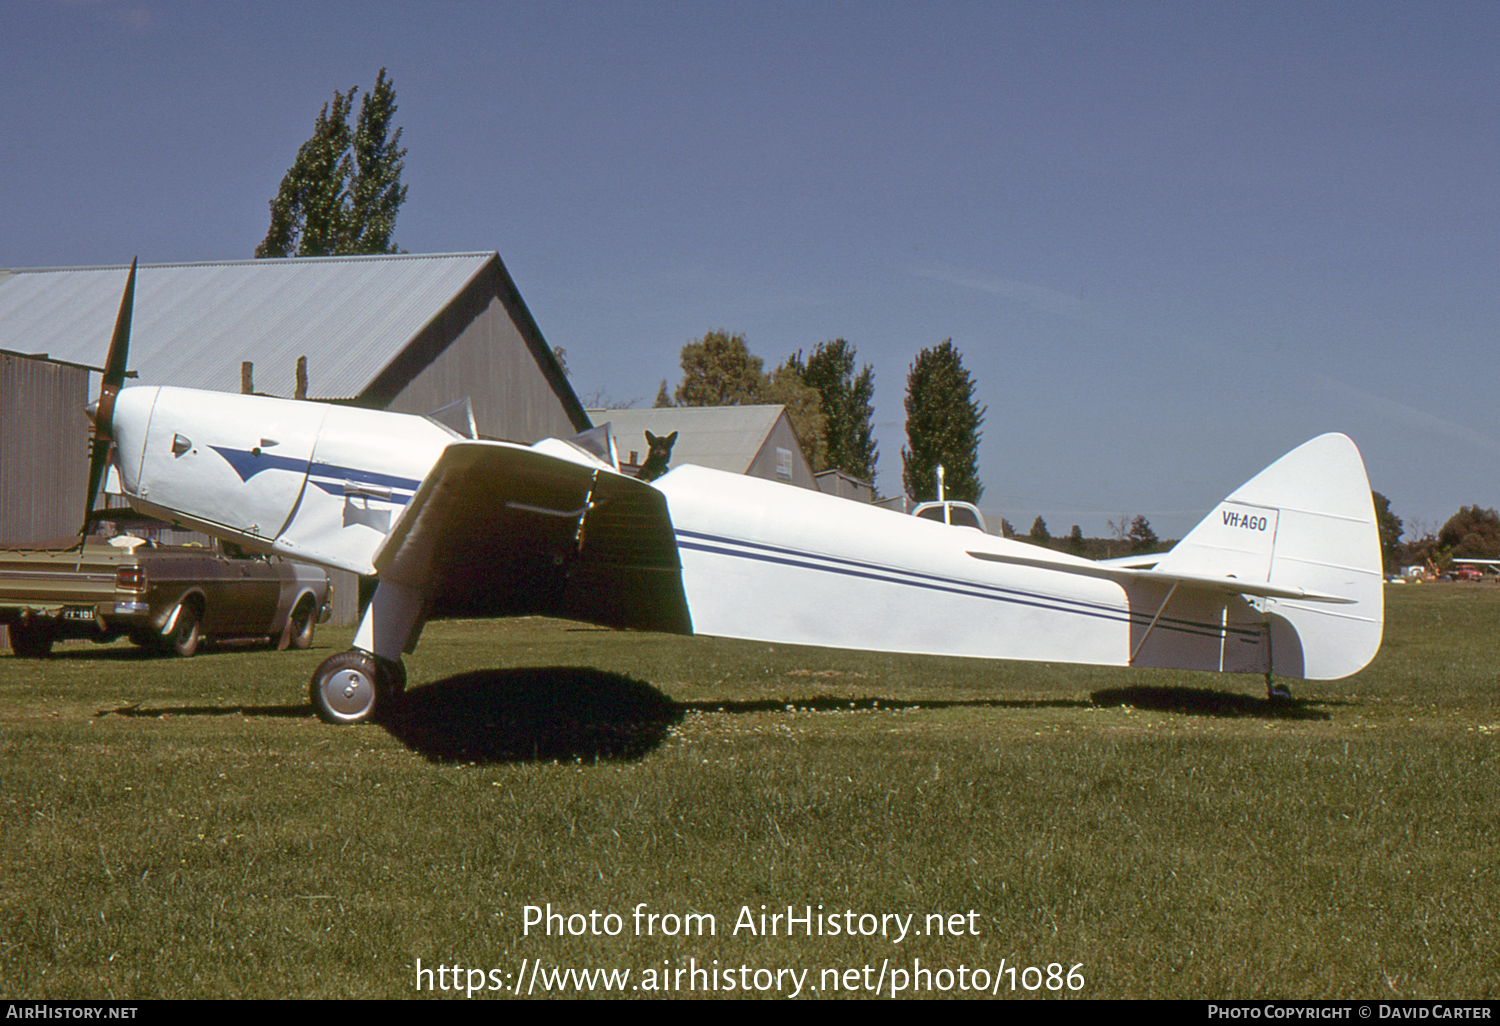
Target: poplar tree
342, 193
942, 427
847, 403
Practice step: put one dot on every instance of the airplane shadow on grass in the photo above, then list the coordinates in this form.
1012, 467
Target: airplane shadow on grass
565, 713
537, 714
1208, 702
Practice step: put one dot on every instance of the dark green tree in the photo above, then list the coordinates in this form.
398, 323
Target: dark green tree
720, 370
376, 193
847, 403
1076, 544
343, 192
1389, 526
1140, 535
1039, 533
1471, 533
942, 427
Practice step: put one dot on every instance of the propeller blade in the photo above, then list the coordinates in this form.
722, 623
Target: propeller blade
98, 460
119, 343
113, 377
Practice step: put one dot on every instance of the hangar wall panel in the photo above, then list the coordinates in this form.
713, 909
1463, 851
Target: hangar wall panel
44, 437
491, 364
780, 457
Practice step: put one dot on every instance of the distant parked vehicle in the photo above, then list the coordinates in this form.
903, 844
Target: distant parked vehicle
123, 583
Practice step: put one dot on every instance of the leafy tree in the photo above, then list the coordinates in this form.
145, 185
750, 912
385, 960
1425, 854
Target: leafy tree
342, 193
1007, 529
804, 407
1389, 526
663, 398
1140, 535
720, 370
1039, 533
379, 157
1076, 543
942, 427
1471, 533
847, 400
1420, 547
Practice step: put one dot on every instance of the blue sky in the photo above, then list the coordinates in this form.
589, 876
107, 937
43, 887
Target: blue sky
1171, 240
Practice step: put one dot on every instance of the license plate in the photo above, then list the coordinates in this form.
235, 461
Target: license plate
78, 612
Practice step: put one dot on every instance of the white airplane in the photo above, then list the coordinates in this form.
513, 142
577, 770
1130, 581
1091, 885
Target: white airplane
1283, 577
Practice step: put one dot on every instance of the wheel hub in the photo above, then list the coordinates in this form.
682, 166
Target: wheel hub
349, 692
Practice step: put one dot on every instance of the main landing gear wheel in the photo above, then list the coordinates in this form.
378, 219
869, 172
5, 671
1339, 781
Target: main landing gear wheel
355, 687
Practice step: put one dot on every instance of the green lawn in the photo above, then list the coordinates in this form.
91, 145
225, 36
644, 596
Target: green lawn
187, 828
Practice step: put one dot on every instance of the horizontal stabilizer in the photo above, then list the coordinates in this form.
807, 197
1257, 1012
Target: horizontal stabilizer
1127, 575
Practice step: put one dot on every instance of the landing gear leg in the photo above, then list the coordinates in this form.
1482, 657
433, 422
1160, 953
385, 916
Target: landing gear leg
1274, 692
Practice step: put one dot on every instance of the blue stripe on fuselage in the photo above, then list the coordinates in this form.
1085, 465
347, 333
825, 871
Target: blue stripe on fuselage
761, 552
331, 479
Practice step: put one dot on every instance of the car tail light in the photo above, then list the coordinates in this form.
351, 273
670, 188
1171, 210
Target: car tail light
131, 578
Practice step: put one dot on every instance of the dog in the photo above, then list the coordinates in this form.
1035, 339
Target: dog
659, 454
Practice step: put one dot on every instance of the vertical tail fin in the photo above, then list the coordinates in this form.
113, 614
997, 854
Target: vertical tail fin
1306, 521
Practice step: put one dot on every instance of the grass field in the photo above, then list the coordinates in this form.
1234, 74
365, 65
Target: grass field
187, 828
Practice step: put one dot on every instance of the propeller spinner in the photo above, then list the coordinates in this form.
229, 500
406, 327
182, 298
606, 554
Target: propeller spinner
102, 412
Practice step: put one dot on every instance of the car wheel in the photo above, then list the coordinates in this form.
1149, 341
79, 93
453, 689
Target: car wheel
355, 687
32, 640
301, 624
185, 636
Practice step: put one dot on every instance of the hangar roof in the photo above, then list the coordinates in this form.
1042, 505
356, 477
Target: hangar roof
720, 437
195, 323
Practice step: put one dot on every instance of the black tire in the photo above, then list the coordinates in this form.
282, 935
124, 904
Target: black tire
392, 675
355, 687
32, 640
303, 619
186, 636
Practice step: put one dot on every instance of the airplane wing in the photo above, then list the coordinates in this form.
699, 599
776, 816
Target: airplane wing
497, 529
1125, 574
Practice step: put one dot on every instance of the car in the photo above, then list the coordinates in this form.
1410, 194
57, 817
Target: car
130, 577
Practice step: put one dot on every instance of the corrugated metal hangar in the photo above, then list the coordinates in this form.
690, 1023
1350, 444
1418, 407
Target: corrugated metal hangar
409, 332
44, 462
